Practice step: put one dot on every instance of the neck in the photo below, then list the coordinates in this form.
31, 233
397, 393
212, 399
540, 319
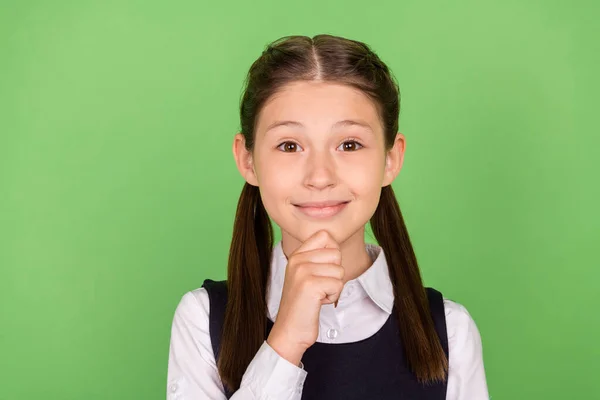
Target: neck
355, 258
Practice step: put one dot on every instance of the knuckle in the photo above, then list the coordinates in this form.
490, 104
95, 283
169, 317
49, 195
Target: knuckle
335, 255
308, 283
292, 261
296, 270
338, 257
302, 269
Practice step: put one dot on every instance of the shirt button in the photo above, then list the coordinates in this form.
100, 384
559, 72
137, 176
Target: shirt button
173, 387
332, 333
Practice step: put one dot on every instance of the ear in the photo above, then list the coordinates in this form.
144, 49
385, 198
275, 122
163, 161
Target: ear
244, 160
394, 159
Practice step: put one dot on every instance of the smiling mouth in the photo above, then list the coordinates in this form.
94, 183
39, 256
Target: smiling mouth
321, 209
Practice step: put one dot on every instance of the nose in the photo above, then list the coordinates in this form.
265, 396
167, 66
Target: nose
320, 170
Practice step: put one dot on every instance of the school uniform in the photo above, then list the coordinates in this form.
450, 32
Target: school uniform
358, 354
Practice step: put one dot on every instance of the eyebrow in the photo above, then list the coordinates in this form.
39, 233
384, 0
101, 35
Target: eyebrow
340, 124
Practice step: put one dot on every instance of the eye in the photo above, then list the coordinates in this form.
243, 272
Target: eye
289, 147
351, 145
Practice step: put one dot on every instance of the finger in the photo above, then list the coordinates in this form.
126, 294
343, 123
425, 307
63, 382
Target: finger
328, 289
319, 240
325, 256
327, 301
328, 270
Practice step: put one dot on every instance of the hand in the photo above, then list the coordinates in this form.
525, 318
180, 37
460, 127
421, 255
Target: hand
313, 277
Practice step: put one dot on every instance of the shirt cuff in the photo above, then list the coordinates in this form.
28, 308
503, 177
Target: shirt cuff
271, 376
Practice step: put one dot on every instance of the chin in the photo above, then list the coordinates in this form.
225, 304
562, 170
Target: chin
301, 232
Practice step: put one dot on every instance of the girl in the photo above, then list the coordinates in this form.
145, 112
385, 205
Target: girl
321, 314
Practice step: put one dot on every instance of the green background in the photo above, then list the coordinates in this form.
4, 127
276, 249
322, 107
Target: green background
118, 187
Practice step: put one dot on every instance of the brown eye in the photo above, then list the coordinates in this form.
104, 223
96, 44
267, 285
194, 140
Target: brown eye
351, 145
288, 147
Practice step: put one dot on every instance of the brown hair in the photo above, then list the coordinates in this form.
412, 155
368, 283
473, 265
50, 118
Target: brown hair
332, 59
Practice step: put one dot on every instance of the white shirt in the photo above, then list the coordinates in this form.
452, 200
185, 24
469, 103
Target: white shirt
364, 305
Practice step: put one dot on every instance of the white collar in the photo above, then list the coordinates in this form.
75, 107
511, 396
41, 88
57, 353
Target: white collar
375, 281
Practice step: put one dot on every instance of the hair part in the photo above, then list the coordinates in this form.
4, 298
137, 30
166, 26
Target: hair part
338, 60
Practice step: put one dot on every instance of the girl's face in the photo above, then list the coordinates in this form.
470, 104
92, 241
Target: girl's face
318, 142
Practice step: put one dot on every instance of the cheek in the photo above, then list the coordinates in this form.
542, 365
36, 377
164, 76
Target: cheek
278, 178
363, 178
276, 185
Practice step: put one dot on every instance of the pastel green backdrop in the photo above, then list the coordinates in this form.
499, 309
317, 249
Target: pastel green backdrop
118, 186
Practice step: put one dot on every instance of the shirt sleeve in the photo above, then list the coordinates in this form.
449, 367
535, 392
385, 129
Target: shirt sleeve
466, 373
192, 372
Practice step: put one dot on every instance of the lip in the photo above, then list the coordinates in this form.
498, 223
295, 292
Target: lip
322, 209
320, 204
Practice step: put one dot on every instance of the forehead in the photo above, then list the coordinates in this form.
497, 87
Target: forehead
318, 104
